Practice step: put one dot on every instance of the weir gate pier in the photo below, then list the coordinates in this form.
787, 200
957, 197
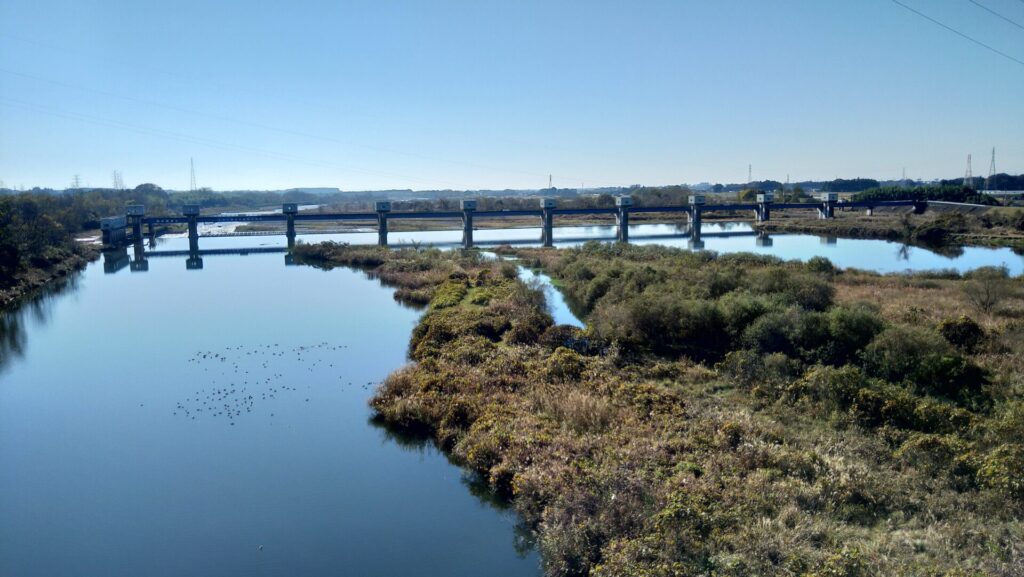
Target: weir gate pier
122, 230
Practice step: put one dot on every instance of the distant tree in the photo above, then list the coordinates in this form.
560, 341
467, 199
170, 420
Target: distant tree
852, 185
150, 188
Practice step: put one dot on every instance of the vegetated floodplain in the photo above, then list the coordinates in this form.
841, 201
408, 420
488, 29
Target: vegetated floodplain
725, 415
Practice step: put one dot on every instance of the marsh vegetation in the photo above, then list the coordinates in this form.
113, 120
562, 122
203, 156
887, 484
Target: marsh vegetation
727, 415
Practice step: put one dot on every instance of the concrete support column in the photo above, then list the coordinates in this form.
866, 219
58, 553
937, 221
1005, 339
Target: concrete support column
764, 206
870, 211
622, 217
382, 208
468, 207
696, 207
134, 213
290, 209
763, 239
547, 206
828, 205
191, 212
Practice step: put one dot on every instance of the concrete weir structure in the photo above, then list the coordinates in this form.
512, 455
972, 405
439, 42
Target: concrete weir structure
127, 228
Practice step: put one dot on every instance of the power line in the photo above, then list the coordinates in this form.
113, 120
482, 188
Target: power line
961, 34
994, 13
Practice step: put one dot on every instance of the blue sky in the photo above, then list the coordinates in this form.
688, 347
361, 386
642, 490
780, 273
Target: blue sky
477, 94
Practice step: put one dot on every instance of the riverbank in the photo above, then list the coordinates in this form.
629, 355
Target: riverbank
36, 278
994, 227
732, 414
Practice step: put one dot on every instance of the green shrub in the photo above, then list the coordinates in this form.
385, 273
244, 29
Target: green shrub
805, 290
450, 293
740, 309
774, 332
1002, 469
821, 265
923, 359
850, 329
566, 336
565, 365
963, 333
509, 271
751, 369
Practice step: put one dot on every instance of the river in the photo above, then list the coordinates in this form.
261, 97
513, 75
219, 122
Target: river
214, 422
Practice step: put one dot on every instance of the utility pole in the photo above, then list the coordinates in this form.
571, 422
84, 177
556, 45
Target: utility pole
750, 173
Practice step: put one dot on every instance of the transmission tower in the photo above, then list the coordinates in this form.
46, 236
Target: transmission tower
968, 176
750, 173
192, 165
76, 182
991, 170
116, 181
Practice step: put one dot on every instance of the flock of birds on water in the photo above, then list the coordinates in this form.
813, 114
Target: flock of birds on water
242, 377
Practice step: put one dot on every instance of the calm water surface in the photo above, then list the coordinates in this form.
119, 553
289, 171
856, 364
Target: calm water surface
877, 255
214, 422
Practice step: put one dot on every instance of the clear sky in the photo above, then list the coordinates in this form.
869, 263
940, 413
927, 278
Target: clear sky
479, 94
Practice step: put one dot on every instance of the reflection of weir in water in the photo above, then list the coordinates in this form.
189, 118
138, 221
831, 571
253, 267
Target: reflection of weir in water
215, 252
117, 259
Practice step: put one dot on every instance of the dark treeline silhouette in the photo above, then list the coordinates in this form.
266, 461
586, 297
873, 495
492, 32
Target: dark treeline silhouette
1001, 181
945, 192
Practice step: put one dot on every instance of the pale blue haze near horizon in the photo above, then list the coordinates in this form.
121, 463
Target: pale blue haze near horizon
429, 95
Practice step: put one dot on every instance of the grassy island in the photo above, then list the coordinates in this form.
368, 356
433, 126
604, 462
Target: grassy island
723, 415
